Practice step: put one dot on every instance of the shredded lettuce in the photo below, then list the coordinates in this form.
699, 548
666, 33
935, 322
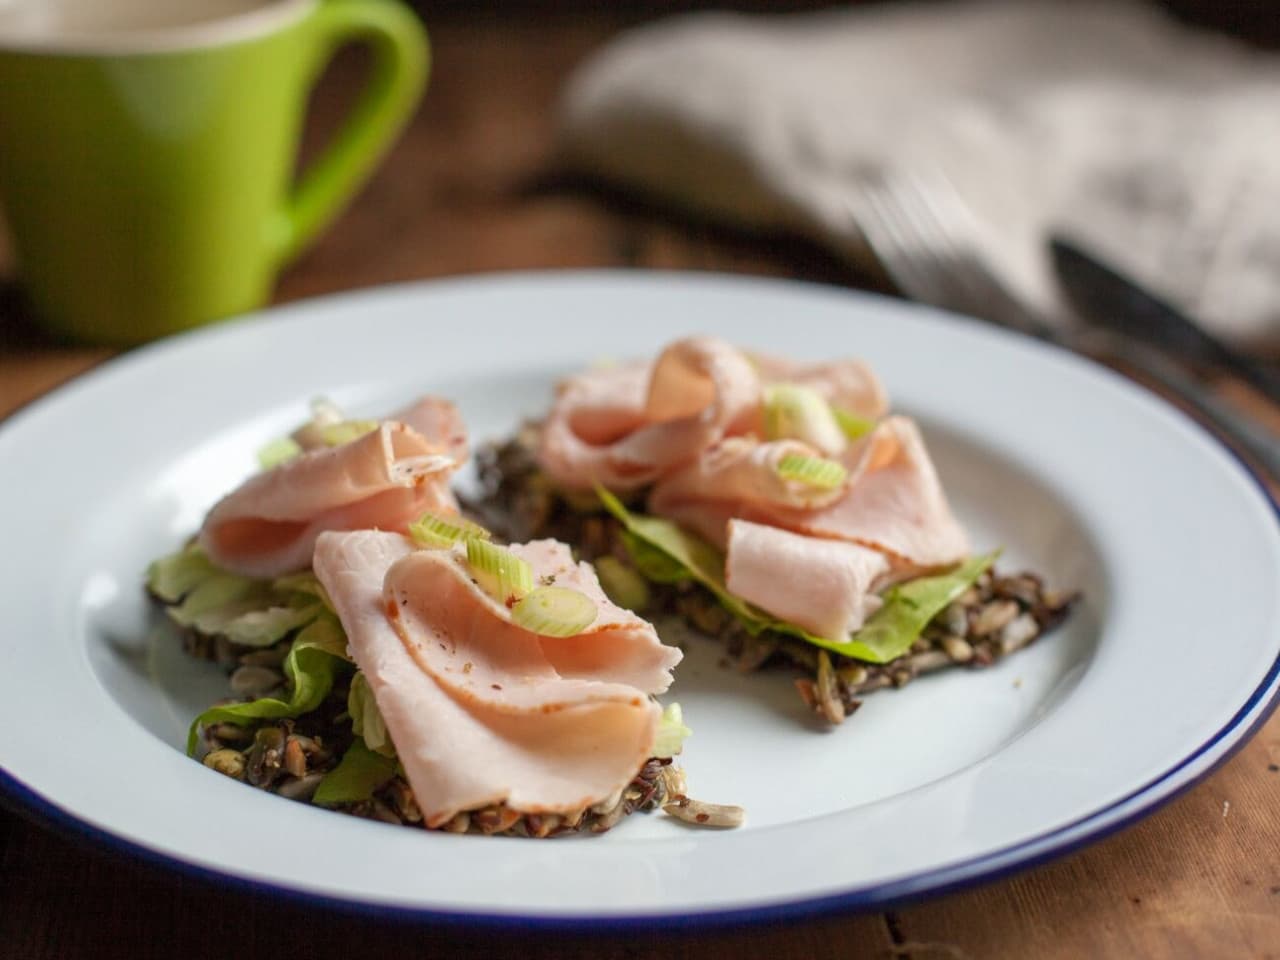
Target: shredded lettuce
218, 600
307, 584
669, 554
357, 776
172, 577
263, 628
908, 608
675, 554
366, 719
317, 654
671, 732
254, 613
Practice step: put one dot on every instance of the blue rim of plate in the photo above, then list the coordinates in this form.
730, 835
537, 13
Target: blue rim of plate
988, 867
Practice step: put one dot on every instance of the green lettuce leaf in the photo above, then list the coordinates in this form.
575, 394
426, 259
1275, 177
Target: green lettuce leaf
171, 578
317, 654
660, 546
907, 610
264, 627
302, 585
357, 776
669, 554
622, 584
254, 613
219, 599
366, 719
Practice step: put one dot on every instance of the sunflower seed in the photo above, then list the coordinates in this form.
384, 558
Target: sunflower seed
271, 657
230, 733
459, 823
300, 788
402, 799
825, 692
295, 760
607, 820
494, 819
957, 648
705, 814
539, 825
1018, 633
229, 763
993, 617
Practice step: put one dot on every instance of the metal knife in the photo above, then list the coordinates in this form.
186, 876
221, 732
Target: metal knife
1109, 299
1103, 300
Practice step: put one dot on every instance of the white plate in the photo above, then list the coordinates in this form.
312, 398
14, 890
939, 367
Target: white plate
1166, 666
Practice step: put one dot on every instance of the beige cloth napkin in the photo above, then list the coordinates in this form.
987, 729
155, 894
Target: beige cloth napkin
1156, 146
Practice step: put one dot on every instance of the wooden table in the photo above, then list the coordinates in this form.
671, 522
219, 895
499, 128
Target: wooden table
466, 191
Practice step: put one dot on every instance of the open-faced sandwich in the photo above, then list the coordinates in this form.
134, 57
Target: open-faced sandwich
786, 512
390, 660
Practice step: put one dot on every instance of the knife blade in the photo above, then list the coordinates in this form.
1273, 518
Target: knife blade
1101, 338
1107, 298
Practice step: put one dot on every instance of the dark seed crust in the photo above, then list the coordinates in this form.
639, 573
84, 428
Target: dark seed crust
290, 757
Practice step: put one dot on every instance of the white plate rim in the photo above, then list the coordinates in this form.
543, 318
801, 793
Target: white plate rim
1197, 764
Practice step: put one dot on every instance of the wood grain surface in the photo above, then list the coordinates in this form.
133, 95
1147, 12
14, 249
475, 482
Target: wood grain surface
473, 187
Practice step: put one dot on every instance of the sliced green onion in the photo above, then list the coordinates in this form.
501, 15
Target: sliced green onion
852, 425
336, 434
554, 612
435, 531
500, 573
278, 451
793, 412
671, 732
623, 585
812, 471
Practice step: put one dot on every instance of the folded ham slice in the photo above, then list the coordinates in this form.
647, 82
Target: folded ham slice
384, 479
624, 427
826, 586
440, 422
818, 564
481, 711
850, 385
628, 426
892, 500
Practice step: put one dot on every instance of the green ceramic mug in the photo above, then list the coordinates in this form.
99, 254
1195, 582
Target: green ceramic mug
147, 149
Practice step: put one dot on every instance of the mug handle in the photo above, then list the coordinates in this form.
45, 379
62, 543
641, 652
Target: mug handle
397, 76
